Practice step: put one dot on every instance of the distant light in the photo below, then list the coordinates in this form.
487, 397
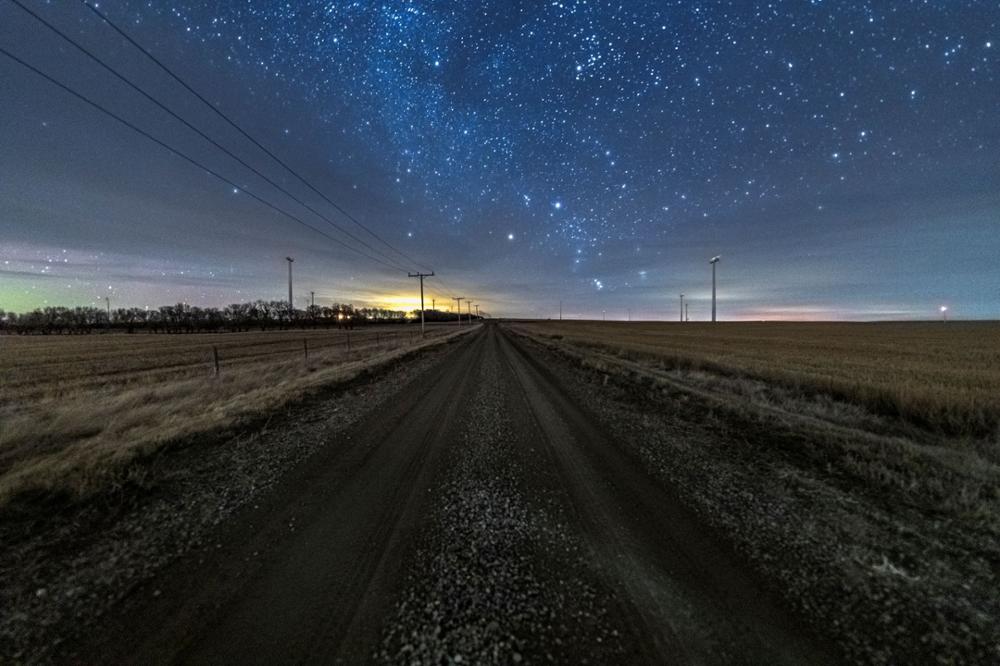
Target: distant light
557, 205
944, 308
510, 236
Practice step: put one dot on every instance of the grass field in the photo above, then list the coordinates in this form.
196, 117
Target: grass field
857, 464
76, 410
938, 375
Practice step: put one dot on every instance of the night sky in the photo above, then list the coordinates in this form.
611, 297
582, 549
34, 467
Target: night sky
842, 157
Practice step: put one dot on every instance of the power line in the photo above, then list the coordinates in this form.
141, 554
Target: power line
200, 133
422, 276
243, 132
182, 155
447, 288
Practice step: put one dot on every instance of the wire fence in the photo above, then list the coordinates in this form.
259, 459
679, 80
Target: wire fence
33, 367
307, 347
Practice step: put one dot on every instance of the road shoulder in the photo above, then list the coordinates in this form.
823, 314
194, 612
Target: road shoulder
65, 570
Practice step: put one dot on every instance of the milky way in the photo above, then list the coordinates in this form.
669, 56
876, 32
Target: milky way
842, 157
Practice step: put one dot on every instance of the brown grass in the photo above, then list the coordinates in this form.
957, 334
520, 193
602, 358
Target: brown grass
883, 533
942, 376
75, 411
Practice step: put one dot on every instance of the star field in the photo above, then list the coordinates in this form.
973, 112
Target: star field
603, 151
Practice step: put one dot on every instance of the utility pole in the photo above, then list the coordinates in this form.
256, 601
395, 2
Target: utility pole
468, 302
291, 305
312, 299
433, 305
421, 276
686, 316
477, 311
107, 300
458, 302
944, 313
713, 261
604, 315
560, 310
682, 308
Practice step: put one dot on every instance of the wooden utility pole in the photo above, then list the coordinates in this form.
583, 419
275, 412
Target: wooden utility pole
421, 276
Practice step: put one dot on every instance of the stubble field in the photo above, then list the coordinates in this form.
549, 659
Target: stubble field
76, 410
942, 376
857, 465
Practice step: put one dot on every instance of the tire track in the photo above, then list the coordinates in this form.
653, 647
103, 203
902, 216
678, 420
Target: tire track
695, 603
500, 578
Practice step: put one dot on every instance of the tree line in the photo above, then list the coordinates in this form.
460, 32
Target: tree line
185, 318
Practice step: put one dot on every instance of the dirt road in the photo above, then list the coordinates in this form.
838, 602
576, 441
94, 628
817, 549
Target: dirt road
481, 517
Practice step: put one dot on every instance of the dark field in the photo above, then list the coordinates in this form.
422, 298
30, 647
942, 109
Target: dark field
944, 375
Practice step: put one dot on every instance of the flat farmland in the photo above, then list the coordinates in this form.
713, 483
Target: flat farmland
39, 366
939, 375
77, 409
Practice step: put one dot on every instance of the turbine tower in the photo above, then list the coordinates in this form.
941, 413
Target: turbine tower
714, 261
291, 305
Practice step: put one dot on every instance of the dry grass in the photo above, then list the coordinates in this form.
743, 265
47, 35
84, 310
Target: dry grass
36, 367
75, 411
883, 533
941, 376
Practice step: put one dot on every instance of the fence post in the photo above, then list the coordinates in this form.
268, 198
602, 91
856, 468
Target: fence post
215, 357
305, 348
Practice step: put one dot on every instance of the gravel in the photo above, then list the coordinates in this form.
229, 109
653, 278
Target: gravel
500, 578
887, 582
63, 568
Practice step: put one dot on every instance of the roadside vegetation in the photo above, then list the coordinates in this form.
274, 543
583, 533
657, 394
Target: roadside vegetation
77, 410
941, 376
185, 318
856, 466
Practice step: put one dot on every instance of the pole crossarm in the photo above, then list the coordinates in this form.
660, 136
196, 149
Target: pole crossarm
421, 276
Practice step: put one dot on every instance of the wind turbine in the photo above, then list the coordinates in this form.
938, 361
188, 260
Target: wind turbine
714, 260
